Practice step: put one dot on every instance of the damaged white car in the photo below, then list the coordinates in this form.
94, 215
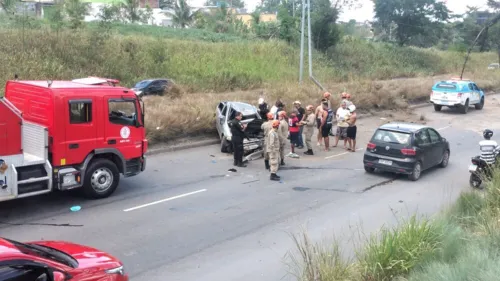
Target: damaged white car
225, 112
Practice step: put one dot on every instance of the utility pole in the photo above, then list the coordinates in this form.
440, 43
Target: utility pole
309, 39
301, 68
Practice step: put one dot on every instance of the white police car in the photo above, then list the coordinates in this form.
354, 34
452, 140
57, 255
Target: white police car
457, 93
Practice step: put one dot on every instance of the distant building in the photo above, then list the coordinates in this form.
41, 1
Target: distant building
248, 19
483, 17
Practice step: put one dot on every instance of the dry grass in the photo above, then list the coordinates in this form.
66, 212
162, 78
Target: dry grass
189, 114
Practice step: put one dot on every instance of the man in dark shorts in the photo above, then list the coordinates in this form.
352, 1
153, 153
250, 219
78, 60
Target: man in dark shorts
326, 125
294, 129
319, 115
352, 129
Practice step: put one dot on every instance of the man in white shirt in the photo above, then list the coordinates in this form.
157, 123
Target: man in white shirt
342, 125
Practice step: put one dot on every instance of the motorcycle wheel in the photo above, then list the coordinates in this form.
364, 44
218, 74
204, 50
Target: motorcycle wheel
475, 181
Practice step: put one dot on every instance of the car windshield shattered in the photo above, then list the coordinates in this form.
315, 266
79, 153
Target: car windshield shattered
391, 137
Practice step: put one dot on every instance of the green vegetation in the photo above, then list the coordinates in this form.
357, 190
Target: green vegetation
462, 243
205, 66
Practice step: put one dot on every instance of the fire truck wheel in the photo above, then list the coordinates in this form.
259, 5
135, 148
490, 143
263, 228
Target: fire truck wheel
101, 179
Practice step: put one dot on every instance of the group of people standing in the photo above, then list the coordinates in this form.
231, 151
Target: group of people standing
279, 127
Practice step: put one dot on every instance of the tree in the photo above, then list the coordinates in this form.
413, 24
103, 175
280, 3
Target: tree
325, 33
147, 15
411, 17
131, 10
494, 31
56, 18
167, 4
76, 10
8, 6
182, 15
109, 14
288, 25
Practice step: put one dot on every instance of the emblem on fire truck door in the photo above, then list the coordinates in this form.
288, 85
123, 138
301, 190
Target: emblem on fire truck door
125, 133
3, 166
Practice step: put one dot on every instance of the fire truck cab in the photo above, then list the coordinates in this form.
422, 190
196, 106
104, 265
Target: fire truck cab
63, 135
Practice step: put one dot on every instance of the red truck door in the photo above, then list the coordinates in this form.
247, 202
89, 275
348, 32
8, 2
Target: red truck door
122, 131
81, 129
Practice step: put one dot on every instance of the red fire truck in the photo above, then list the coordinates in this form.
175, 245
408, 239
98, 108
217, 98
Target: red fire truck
62, 135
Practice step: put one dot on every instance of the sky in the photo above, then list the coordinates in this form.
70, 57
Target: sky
366, 11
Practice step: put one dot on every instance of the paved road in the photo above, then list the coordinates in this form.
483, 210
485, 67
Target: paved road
188, 218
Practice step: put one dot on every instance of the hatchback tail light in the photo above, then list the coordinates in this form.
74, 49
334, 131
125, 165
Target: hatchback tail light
371, 145
408, 151
431, 93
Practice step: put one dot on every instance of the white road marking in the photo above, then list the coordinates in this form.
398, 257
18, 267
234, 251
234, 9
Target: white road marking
440, 129
164, 200
340, 154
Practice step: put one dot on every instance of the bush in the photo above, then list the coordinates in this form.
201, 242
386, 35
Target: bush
394, 252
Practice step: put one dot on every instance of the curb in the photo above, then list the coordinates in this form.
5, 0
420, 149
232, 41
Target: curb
182, 146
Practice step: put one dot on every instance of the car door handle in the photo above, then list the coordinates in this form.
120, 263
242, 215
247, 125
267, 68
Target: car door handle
73, 146
111, 141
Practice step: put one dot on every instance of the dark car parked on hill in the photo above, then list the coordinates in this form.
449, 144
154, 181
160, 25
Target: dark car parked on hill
151, 87
406, 148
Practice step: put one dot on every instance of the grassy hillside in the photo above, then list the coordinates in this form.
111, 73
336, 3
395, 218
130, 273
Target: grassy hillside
239, 69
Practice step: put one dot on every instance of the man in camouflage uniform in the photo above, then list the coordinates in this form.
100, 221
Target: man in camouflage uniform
267, 127
273, 149
283, 134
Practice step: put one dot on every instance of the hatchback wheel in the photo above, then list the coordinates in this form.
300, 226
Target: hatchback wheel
369, 169
417, 170
437, 107
446, 159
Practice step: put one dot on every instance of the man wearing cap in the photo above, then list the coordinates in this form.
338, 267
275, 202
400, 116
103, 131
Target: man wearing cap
300, 115
267, 127
319, 117
273, 149
346, 97
263, 108
352, 129
342, 125
308, 123
328, 97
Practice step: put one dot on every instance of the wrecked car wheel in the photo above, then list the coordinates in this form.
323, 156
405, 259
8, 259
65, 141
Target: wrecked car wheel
225, 146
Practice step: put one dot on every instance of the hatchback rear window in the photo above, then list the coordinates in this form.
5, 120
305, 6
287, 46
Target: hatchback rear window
391, 137
447, 86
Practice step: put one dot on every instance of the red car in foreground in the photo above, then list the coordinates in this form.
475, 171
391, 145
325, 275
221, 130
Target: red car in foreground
56, 261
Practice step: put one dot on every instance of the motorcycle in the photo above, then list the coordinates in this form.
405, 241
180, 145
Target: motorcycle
480, 170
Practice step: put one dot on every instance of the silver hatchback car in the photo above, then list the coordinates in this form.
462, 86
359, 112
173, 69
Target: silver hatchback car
225, 112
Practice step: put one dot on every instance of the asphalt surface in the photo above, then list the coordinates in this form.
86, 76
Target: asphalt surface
188, 218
